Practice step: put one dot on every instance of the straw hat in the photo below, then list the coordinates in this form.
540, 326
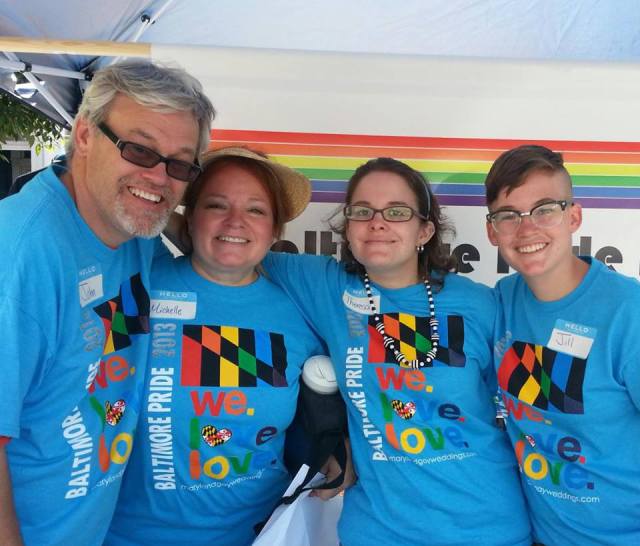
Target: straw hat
295, 188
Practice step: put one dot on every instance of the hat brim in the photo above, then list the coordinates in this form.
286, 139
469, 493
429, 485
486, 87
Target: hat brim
295, 187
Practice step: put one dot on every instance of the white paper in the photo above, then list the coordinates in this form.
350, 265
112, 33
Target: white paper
308, 521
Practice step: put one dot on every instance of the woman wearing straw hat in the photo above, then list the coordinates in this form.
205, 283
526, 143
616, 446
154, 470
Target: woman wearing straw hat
227, 350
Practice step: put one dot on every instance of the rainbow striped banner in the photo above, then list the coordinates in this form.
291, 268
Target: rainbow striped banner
605, 174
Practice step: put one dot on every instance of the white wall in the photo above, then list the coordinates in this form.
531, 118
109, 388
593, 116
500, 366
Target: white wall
593, 105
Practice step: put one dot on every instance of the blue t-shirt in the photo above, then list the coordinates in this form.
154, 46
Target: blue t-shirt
569, 372
221, 390
432, 466
74, 325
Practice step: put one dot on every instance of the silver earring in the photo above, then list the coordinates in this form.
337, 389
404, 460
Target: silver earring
419, 248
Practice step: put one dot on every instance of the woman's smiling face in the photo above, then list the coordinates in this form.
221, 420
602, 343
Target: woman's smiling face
231, 225
387, 250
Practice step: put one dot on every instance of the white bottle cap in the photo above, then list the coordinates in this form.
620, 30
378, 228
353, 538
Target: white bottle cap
318, 374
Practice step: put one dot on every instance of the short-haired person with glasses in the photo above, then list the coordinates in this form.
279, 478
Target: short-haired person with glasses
78, 243
411, 343
567, 359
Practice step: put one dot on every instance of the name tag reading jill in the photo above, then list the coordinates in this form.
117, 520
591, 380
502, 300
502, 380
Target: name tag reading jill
571, 338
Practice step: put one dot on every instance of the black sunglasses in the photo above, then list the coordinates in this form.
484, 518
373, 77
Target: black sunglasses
145, 157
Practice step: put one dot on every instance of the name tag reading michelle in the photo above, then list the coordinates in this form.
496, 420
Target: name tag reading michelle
571, 338
173, 305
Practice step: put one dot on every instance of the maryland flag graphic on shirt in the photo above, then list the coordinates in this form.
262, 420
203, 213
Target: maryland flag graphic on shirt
125, 315
227, 356
543, 378
414, 336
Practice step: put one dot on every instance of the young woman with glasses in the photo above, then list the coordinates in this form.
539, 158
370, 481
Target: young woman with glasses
412, 346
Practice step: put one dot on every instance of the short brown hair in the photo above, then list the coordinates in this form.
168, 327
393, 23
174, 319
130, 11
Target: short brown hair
511, 169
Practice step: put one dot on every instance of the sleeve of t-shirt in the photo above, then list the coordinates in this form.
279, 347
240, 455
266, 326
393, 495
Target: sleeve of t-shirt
631, 376
309, 280
628, 369
24, 354
486, 312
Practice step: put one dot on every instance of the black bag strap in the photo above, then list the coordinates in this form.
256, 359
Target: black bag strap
325, 419
323, 447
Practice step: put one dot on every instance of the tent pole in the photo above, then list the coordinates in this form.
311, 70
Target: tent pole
74, 47
146, 23
44, 91
150, 21
19, 66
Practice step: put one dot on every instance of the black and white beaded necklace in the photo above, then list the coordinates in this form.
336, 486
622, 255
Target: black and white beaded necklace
390, 343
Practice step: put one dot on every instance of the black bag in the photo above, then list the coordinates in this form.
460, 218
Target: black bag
324, 416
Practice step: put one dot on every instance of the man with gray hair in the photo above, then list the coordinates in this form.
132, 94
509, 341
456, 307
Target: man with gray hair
77, 243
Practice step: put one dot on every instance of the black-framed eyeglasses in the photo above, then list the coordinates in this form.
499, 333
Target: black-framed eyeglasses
545, 215
145, 157
395, 213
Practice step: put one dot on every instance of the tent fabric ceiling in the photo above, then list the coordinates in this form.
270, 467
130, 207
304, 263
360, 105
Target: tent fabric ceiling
116, 20
594, 30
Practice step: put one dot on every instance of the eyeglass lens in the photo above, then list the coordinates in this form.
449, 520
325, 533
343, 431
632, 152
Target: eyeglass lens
390, 214
544, 215
145, 157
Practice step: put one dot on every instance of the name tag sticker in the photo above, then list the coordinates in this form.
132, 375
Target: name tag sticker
90, 285
572, 339
173, 305
359, 304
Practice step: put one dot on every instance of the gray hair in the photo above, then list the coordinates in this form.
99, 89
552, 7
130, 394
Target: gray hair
160, 88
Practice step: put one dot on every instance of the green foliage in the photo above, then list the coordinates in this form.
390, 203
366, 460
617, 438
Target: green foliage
19, 122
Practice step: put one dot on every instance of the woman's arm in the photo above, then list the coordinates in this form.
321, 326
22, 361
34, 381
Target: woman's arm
9, 528
310, 281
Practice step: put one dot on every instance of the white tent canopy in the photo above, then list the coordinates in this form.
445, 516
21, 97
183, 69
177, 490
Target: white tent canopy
591, 30
444, 85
